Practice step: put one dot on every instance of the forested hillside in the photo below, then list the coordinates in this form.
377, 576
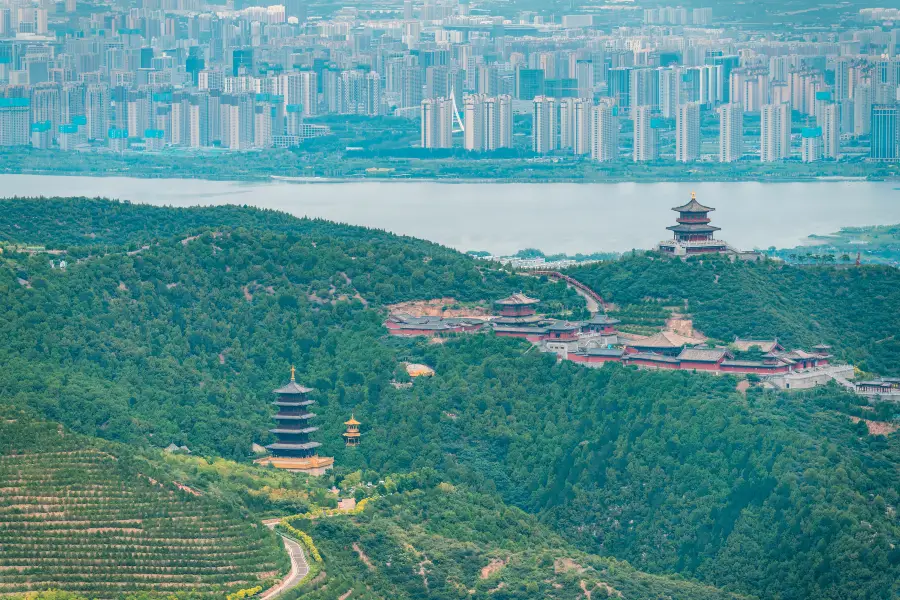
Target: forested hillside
444, 543
90, 517
764, 493
854, 309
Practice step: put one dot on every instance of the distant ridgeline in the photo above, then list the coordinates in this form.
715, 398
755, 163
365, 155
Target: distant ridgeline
172, 326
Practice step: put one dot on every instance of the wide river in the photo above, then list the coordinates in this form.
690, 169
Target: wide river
504, 218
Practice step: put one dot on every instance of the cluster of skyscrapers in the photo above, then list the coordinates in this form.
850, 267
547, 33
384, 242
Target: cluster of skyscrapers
82, 74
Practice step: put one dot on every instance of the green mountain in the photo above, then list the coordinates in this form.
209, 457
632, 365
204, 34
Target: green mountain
852, 309
443, 542
92, 517
762, 493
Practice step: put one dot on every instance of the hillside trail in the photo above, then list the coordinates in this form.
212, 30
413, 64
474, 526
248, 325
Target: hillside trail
299, 565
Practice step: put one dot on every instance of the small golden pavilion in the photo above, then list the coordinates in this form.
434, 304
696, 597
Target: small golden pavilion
351, 436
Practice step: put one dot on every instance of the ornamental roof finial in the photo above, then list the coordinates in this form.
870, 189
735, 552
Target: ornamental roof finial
693, 195
292, 372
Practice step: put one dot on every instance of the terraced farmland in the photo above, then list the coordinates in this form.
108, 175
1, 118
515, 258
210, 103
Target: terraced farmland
86, 521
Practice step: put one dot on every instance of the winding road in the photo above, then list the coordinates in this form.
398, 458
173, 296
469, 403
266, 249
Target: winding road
299, 566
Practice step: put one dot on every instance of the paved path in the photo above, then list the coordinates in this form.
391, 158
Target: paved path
299, 566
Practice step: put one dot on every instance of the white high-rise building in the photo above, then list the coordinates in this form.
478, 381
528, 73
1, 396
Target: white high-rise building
731, 132
581, 143
499, 120
545, 125
210, 79
96, 100
687, 132
437, 123
811, 146
669, 91
775, 138
862, 109
646, 137
604, 133
567, 123
831, 130
475, 121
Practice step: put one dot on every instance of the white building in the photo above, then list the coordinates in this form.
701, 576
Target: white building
545, 125
831, 130
687, 132
604, 133
731, 132
437, 123
499, 122
775, 138
646, 137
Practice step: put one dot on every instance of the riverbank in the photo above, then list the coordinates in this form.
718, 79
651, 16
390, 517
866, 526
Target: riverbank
297, 167
501, 219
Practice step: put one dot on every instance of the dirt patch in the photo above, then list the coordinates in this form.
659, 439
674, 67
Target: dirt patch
346, 595
742, 386
564, 565
439, 307
493, 567
362, 556
877, 427
610, 592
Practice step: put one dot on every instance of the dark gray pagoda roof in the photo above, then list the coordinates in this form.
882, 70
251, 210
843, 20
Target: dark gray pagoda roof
288, 403
693, 207
561, 326
293, 431
283, 446
292, 388
303, 417
650, 356
514, 329
692, 228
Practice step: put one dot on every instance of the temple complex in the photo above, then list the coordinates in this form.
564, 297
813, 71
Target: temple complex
293, 450
692, 233
351, 436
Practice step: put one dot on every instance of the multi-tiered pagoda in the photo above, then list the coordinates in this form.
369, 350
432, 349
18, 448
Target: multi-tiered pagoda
293, 450
518, 317
693, 233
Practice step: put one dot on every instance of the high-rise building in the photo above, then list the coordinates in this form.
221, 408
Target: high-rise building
619, 88
731, 132
841, 78
775, 138
862, 109
687, 132
644, 88
545, 126
499, 122
15, 121
885, 132
811, 144
410, 86
831, 130
96, 102
474, 117
45, 106
646, 136
604, 133
669, 91
529, 83
437, 123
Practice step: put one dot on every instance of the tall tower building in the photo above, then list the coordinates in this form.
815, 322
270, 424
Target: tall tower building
499, 122
410, 86
96, 102
437, 123
731, 132
475, 119
545, 127
885, 132
775, 138
604, 133
646, 137
841, 78
15, 122
862, 109
831, 130
581, 142
811, 145
669, 91
687, 132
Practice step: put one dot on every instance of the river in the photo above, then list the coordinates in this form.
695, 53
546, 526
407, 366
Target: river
504, 218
